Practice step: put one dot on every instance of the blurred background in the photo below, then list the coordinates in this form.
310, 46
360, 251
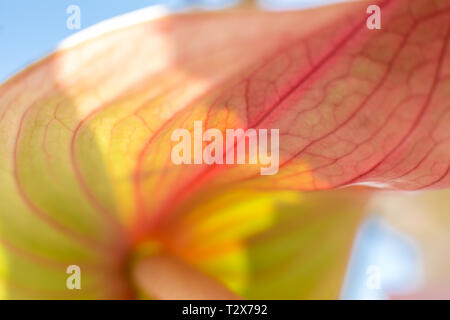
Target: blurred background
397, 248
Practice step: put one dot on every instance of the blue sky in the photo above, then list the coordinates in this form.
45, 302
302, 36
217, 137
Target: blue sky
31, 29
380, 250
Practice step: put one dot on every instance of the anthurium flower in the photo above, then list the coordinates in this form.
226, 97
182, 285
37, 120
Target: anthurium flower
86, 176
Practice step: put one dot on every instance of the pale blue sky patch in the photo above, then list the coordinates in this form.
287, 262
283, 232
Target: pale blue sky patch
381, 248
